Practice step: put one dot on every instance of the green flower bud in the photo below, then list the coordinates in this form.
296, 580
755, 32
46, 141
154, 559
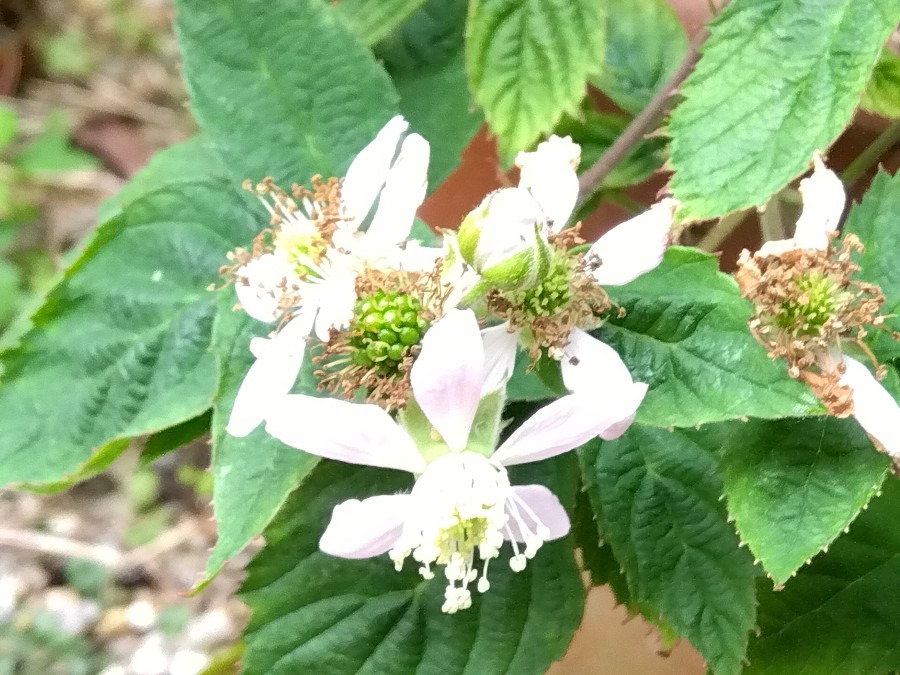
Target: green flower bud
503, 240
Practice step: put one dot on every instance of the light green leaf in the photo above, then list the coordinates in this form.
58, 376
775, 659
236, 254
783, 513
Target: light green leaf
252, 476
425, 60
794, 485
10, 291
9, 125
656, 494
685, 334
528, 62
51, 151
777, 80
882, 94
840, 614
281, 88
305, 602
372, 20
645, 42
121, 346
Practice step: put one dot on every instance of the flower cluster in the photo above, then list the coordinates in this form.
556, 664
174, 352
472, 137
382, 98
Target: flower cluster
413, 346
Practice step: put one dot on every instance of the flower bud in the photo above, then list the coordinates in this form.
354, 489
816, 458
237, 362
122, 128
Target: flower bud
503, 240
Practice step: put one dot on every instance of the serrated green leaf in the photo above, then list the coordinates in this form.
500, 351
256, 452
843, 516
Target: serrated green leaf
272, 102
121, 346
656, 494
372, 20
645, 42
874, 220
528, 63
778, 79
794, 485
252, 476
534, 383
425, 60
685, 333
840, 614
882, 94
305, 603
165, 441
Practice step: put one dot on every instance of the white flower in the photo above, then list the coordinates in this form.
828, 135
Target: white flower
462, 501
261, 283
549, 175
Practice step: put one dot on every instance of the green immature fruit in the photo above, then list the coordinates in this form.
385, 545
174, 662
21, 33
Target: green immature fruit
814, 305
552, 293
385, 326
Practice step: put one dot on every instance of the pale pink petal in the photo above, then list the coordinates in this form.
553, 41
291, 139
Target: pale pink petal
545, 505
549, 175
278, 362
369, 170
567, 423
356, 433
363, 529
873, 406
403, 193
446, 377
334, 296
589, 364
500, 345
823, 204
634, 247
627, 404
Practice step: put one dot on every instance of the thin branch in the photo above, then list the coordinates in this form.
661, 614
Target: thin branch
870, 156
641, 124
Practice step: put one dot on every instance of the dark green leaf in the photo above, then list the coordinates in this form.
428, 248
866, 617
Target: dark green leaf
685, 333
840, 614
173, 438
657, 496
312, 612
528, 62
794, 485
778, 79
644, 43
425, 59
281, 88
372, 20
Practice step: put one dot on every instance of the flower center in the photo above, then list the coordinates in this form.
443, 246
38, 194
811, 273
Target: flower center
385, 327
304, 249
552, 293
809, 310
466, 505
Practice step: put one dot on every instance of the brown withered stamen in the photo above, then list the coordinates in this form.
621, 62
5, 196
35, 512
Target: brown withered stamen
806, 302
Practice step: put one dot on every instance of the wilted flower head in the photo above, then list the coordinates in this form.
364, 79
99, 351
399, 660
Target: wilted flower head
808, 303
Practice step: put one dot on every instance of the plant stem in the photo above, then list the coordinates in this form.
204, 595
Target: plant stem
722, 230
639, 126
870, 156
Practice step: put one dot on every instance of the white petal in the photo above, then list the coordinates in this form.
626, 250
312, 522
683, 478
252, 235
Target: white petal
634, 247
823, 204
369, 170
873, 407
278, 361
508, 226
363, 529
778, 246
500, 344
545, 506
417, 258
259, 285
567, 423
334, 296
357, 433
403, 193
589, 364
446, 377
549, 175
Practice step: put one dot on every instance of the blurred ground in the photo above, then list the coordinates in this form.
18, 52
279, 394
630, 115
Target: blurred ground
92, 580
